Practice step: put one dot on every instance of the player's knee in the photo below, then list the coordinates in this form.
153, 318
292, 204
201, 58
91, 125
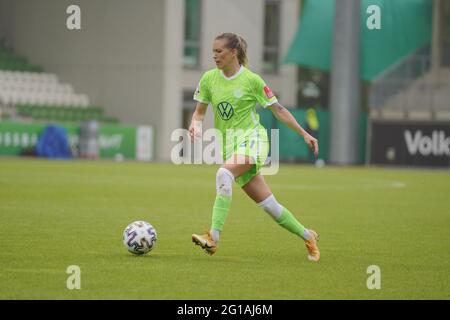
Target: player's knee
224, 182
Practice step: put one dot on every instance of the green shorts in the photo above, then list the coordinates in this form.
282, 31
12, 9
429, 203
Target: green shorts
254, 145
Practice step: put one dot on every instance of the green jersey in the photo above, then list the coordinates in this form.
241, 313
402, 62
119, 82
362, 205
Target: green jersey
234, 99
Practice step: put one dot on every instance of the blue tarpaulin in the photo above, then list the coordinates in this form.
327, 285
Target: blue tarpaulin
54, 143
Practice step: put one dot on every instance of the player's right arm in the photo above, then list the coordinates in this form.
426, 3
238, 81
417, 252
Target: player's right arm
197, 118
203, 97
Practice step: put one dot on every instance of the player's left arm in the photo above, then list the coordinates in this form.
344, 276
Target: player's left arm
283, 115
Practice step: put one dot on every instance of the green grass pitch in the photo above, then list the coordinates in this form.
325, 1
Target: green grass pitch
54, 214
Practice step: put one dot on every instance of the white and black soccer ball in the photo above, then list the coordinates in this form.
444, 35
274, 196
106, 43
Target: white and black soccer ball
139, 237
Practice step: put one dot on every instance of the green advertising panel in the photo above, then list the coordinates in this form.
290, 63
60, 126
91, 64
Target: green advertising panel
293, 147
114, 141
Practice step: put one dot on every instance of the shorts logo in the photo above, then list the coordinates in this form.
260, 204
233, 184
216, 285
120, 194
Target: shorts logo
268, 92
226, 110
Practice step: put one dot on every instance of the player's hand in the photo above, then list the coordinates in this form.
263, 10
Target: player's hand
191, 131
312, 143
195, 130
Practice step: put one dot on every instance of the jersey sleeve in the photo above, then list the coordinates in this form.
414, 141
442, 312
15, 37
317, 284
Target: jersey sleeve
202, 93
263, 93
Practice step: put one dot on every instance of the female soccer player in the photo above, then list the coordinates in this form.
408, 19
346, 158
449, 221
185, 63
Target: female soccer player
233, 91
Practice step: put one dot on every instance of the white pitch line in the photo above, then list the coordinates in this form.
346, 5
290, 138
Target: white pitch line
364, 185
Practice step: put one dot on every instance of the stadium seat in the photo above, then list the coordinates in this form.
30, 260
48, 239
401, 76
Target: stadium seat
40, 95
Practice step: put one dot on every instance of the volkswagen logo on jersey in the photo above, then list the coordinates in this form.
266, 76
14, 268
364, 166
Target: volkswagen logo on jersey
226, 110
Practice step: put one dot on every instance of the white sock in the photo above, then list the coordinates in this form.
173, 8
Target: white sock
224, 182
271, 206
224, 187
215, 235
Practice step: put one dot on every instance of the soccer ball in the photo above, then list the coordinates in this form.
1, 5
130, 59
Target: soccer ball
139, 237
